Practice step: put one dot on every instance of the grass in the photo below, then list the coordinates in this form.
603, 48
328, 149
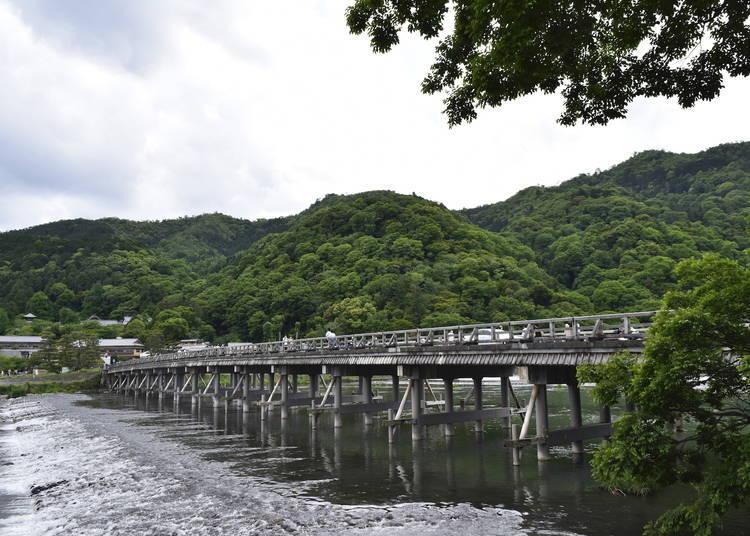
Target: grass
33, 388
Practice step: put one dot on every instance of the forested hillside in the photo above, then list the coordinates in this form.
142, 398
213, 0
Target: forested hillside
376, 260
615, 236
380, 260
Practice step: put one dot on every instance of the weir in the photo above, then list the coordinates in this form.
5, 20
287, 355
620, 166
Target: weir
540, 352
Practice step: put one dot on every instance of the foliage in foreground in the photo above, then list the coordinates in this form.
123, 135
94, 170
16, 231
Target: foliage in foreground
687, 371
599, 55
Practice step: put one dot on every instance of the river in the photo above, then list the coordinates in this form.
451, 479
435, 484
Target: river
108, 464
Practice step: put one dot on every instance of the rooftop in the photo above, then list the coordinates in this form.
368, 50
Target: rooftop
120, 342
20, 339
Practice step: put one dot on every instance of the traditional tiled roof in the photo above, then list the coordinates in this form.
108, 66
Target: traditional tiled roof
20, 339
112, 343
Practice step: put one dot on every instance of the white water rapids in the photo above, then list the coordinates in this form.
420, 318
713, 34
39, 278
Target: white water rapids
93, 472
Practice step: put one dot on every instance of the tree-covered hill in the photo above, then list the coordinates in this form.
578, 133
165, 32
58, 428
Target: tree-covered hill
377, 260
112, 267
615, 235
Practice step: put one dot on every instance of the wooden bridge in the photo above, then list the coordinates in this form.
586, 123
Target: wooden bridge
541, 352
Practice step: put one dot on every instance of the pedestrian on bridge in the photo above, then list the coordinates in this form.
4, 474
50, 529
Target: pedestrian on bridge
331, 336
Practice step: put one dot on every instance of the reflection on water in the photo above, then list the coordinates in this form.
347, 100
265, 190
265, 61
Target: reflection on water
355, 465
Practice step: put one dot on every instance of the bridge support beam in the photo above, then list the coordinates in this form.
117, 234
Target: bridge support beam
314, 381
194, 387
505, 397
246, 384
284, 387
576, 418
417, 399
338, 399
448, 389
542, 423
478, 403
216, 387
367, 397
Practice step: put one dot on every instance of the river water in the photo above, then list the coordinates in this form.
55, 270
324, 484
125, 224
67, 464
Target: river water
109, 464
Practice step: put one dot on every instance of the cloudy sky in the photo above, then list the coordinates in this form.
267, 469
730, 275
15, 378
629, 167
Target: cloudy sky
149, 109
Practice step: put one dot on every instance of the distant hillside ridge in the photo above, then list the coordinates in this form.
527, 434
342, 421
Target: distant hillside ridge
604, 242
656, 208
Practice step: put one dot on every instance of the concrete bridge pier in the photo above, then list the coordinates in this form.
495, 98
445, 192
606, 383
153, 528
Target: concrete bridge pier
246, 385
478, 404
314, 381
179, 381
216, 386
542, 423
417, 404
284, 387
160, 385
576, 417
338, 399
194, 387
366, 382
505, 398
448, 428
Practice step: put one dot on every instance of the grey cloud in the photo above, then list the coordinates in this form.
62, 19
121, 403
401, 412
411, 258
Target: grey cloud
127, 32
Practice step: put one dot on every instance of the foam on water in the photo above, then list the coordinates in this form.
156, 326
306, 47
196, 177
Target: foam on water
109, 476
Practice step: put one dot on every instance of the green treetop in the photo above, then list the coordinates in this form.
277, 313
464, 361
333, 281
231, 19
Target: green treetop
600, 55
696, 365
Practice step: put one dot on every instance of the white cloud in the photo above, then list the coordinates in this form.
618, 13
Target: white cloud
149, 110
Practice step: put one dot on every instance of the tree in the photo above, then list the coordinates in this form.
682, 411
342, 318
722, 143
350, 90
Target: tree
601, 54
48, 356
4, 321
696, 365
40, 305
11, 364
79, 350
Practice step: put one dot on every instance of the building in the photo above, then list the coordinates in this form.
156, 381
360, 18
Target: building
121, 348
29, 317
24, 346
124, 322
19, 345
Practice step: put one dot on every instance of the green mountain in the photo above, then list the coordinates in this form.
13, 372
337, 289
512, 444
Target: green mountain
112, 267
615, 236
379, 260
376, 260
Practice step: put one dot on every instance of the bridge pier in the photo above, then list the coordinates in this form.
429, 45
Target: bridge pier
417, 401
314, 380
366, 382
576, 417
505, 398
161, 385
449, 407
216, 386
338, 399
284, 386
478, 403
542, 422
246, 385
179, 381
194, 387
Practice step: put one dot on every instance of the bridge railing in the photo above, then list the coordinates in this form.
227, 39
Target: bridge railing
623, 326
